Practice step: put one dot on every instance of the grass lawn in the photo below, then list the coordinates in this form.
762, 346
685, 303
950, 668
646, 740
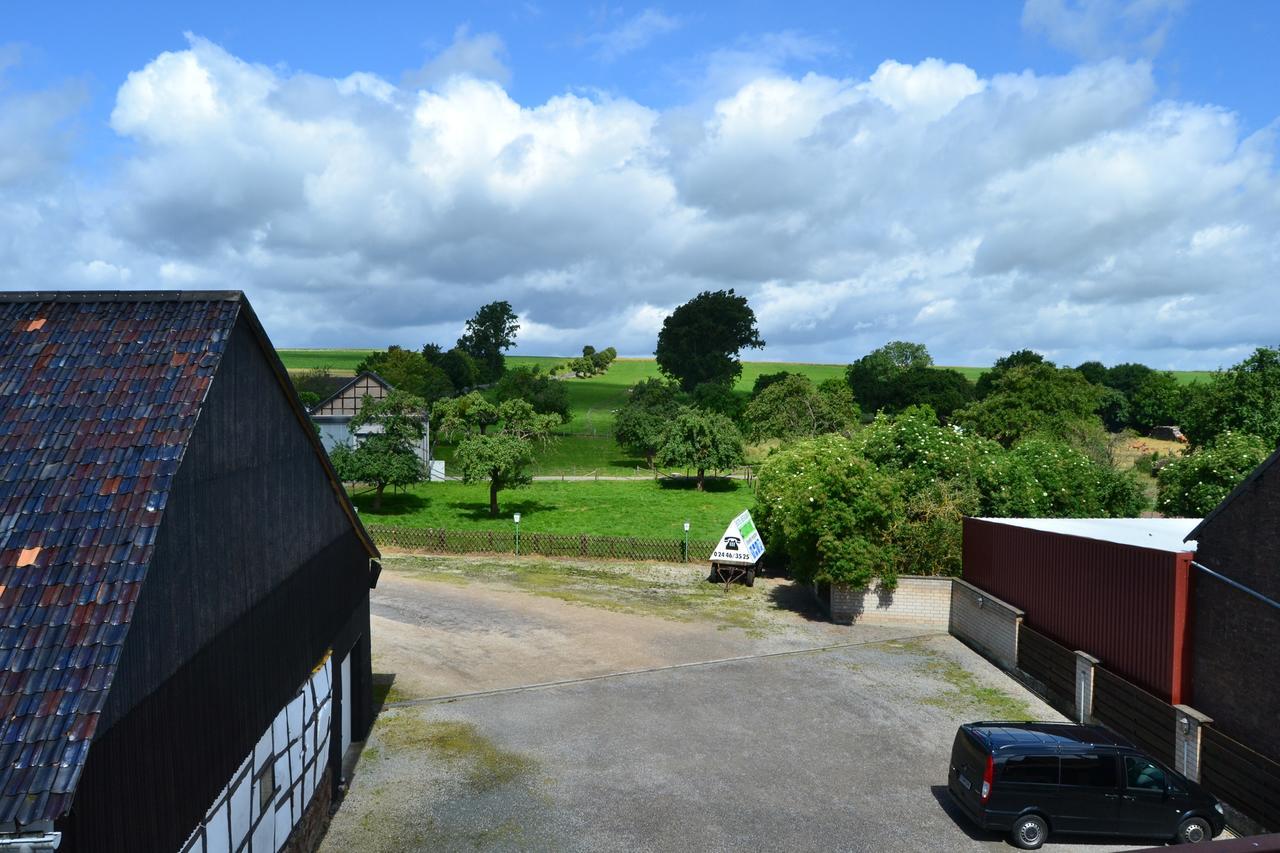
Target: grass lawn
607, 508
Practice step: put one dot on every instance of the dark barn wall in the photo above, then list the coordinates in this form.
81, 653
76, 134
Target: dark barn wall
1126, 606
1236, 654
257, 573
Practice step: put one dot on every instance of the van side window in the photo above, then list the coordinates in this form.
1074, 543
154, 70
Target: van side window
1140, 773
1094, 771
1036, 769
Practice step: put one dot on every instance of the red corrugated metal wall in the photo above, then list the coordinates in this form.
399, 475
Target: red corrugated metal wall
1124, 605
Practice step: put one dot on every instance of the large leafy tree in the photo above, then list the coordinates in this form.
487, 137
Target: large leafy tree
1193, 485
650, 408
793, 408
1035, 399
460, 367
703, 441
901, 374
548, 396
1020, 358
385, 454
700, 341
465, 414
1244, 398
1156, 401
490, 333
410, 372
500, 456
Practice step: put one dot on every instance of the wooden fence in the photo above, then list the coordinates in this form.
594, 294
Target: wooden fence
1050, 663
1248, 780
439, 541
1132, 712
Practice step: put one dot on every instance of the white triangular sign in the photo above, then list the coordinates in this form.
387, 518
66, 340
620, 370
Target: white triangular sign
741, 542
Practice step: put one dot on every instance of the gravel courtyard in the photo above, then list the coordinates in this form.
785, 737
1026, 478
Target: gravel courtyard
663, 715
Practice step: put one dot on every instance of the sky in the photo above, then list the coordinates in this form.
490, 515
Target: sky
1093, 179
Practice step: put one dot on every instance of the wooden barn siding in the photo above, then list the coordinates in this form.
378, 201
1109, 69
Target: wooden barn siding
250, 504
252, 527
150, 779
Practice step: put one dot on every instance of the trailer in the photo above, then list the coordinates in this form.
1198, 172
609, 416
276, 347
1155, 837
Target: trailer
737, 556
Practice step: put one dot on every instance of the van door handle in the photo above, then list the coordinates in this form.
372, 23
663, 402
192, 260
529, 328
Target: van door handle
1110, 796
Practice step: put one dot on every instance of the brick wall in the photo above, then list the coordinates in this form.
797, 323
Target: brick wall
1234, 664
985, 623
917, 599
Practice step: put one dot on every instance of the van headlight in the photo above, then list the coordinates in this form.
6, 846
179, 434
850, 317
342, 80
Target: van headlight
1217, 807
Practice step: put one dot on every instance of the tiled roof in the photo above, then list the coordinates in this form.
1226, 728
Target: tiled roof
98, 398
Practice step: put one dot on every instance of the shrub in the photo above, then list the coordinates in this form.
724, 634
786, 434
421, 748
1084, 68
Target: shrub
1193, 485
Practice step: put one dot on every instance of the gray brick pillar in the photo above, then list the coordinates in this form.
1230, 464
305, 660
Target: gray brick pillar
1186, 740
1085, 663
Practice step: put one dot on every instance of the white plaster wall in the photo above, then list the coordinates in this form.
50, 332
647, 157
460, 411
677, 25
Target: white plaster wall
297, 743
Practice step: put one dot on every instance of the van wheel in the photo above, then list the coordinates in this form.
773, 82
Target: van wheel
1030, 832
1193, 830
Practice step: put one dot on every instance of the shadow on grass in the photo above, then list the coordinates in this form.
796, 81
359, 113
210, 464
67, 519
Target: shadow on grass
797, 598
380, 686
393, 503
479, 510
690, 484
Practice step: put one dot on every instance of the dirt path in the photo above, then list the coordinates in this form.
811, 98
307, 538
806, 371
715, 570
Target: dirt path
441, 635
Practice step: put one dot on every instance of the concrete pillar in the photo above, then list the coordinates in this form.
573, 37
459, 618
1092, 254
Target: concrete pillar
1186, 738
1085, 663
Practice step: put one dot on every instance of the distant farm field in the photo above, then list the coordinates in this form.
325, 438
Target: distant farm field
339, 361
656, 508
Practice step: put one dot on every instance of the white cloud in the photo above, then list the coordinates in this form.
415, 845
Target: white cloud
481, 56
1096, 29
1074, 213
633, 34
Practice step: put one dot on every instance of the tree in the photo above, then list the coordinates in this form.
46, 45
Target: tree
1038, 398
830, 512
1020, 358
490, 333
1244, 398
500, 457
458, 366
1094, 371
548, 396
718, 398
764, 380
701, 339
408, 371
1044, 477
461, 415
1157, 401
901, 374
1126, 377
793, 408
386, 455
701, 440
650, 408
603, 359
317, 383
1193, 485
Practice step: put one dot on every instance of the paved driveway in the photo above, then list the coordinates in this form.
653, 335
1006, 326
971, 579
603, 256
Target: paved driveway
780, 749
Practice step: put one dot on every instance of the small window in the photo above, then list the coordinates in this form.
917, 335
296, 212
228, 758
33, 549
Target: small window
1093, 771
1033, 769
266, 783
1143, 775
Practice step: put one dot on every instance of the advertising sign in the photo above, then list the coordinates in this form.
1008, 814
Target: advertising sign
741, 542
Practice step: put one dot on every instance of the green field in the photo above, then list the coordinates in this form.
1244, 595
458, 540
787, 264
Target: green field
339, 361
606, 508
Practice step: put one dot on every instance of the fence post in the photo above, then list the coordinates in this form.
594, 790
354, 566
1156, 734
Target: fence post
1186, 739
1085, 663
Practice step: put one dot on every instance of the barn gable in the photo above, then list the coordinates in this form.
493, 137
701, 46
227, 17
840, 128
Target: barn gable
346, 401
102, 397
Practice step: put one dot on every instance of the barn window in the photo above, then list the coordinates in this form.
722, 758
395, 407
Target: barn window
266, 786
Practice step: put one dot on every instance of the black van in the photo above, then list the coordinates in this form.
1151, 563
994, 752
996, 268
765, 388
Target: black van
1031, 779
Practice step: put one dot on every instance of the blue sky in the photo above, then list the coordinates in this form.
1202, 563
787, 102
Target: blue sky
1087, 177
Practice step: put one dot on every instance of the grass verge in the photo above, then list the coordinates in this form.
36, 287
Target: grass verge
964, 693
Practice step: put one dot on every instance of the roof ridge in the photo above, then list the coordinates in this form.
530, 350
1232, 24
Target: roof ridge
122, 296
